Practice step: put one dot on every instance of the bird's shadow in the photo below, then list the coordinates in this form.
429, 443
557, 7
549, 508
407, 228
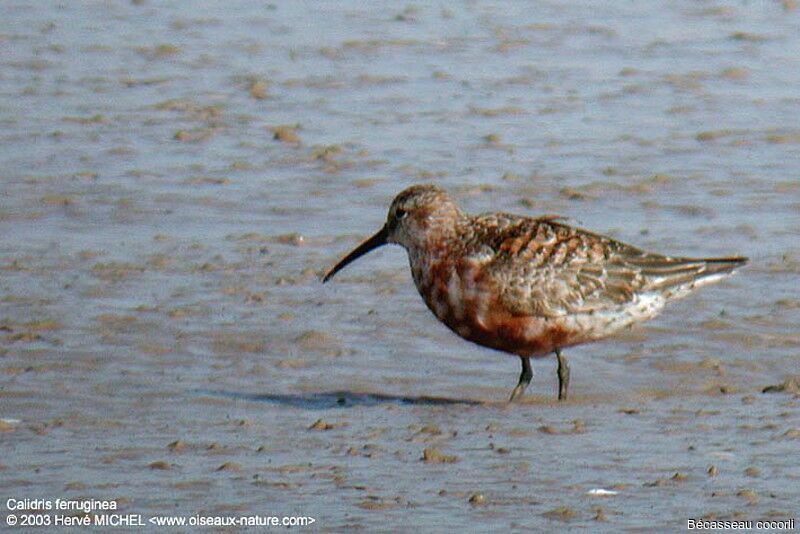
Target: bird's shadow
337, 399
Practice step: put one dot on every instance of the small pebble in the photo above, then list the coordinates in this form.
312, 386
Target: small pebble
259, 90
319, 424
792, 433
600, 492
6, 426
432, 455
286, 134
477, 499
229, 466
562, 513
177, 445
790, 385
748, 494
752, 472
160, 464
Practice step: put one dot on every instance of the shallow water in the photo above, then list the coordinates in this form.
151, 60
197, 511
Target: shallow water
163, 240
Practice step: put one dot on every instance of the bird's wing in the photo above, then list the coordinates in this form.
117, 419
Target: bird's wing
545, 268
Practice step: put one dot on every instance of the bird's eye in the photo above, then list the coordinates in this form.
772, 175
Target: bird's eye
400, 213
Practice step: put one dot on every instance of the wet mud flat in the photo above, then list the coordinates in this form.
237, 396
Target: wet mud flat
175, 184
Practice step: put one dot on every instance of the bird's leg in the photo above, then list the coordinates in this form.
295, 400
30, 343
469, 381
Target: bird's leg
563, 375
524, 378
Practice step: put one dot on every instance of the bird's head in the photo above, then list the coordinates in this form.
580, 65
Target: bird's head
417, 217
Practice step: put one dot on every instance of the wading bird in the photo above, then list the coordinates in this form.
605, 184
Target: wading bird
530, 286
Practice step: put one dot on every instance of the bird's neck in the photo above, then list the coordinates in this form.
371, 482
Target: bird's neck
436, 249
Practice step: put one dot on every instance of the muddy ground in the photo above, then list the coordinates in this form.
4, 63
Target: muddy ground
175, 181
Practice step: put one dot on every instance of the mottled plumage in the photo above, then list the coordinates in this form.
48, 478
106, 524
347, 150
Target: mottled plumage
530, 286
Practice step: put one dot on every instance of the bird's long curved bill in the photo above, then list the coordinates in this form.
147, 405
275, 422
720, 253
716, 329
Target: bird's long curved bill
373, 242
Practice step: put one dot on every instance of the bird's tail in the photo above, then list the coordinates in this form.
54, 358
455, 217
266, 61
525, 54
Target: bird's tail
666, 273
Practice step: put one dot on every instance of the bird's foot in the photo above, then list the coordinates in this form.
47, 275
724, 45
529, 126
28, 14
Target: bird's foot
563, 375
524, 379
